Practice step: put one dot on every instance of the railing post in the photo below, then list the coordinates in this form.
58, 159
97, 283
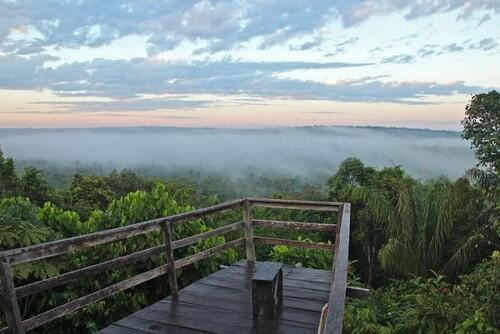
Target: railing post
249, 240
169, 252
338, 288
9, 300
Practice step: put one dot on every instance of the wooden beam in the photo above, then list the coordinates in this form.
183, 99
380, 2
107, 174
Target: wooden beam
336, 301
249, 239
49, 283
355, 292
207, 253
49, 249
209, 234
81, 302
9, 300
299, 226
294, 243
295, 204
169, 252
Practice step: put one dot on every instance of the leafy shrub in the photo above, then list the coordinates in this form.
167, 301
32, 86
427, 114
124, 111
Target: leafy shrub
431, 305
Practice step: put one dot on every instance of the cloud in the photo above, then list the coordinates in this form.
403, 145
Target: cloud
355, 12
223, 24
453, 47
485, 44
485, 18
399, 59
316, 42
143, 104
129, 79
126, 82
306, 151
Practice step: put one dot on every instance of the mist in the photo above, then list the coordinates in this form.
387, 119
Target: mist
302, 151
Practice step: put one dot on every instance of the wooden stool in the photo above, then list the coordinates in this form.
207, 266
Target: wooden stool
267, 288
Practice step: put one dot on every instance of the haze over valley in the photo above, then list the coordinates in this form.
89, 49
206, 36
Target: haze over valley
309, 152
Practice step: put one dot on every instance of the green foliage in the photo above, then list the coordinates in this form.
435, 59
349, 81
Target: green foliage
88, 193
34, 186
483, 285
8, 178
310, 258
482, 127
430, 306
402, 227
22, 224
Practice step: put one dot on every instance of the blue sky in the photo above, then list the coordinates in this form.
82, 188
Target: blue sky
245, 63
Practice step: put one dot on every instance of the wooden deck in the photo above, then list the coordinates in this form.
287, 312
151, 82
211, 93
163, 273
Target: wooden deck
221, 303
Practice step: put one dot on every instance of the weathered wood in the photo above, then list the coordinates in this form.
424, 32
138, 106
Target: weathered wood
9, 300
225, 308
49, 249
293, 243
169, 253
336, 301
49, 283
207, 253
267, 289
77, 304
209, 234
295, 204
249, 237
36, 287
267, 271
299, 226
355, 292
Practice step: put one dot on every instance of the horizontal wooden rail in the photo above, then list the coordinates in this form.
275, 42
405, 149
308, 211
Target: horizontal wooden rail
209, 234
299, 226
208, 252
49, 283
295, 204
77, 304
293, 243
356, 292
49, 249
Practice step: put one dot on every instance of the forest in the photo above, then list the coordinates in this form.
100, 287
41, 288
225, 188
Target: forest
429, 250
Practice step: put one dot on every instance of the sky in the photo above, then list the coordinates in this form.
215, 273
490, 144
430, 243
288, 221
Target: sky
245, 64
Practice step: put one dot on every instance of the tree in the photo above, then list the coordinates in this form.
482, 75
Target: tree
87, 193
125, 182
482, 127
401, 227
352, 183
9, 181
34, 186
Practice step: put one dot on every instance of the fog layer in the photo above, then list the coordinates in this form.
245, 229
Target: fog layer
305, 151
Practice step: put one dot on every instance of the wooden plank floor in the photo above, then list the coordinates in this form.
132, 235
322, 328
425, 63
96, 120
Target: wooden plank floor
220, 303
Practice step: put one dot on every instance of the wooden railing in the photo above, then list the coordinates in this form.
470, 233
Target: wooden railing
10, 293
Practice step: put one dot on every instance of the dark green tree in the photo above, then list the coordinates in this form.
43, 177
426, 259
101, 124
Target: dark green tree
482, 128
126, 181
9, 181
88, 193
34, 186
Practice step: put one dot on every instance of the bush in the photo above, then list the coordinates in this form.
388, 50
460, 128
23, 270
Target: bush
431, 305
